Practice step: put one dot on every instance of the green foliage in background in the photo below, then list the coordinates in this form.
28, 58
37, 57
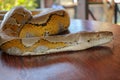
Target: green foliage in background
8, 4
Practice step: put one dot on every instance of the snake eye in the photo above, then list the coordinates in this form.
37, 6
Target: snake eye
88, 40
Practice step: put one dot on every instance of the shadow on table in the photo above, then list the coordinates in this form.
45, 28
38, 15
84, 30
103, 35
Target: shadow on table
94, 54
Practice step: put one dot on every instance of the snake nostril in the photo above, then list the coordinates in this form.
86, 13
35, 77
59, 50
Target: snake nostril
98, 35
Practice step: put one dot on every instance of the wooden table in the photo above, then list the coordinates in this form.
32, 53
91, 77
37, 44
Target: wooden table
97, 63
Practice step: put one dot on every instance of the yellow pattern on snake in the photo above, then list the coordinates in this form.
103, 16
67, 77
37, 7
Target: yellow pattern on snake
20, 23
23, 33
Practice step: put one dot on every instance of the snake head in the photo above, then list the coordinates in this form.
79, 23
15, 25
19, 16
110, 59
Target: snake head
95, 38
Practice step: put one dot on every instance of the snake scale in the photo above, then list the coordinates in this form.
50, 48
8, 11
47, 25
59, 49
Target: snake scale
22, 33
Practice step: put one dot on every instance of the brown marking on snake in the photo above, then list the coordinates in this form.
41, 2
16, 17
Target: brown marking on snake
50, 27
51, 22
45, 23
17, 43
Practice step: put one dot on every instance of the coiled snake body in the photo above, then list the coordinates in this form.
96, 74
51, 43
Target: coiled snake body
22, 33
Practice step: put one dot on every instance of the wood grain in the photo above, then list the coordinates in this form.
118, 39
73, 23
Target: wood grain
97, 63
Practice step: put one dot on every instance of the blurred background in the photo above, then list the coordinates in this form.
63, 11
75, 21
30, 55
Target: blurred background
98, 10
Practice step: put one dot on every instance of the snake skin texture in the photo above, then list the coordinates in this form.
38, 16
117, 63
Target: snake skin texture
24, 33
